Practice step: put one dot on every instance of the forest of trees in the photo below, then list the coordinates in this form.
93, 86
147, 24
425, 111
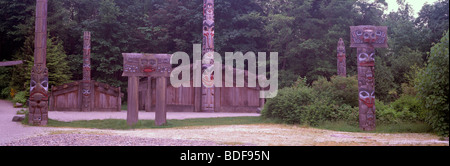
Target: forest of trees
304, 33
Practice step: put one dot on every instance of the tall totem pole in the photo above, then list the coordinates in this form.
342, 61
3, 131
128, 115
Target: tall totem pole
38, 111
86, 100
208, 56
341, 59
366, 38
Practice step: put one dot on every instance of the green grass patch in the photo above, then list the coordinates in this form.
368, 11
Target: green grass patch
402, 127
117, 124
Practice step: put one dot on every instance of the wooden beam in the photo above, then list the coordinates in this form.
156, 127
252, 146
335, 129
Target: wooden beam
148, 102
11, 63
160, 112
133, 98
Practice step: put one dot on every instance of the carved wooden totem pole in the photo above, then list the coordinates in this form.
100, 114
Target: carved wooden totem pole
208, 56
157, 66
366, 38
38, 111
86, 106
341, 59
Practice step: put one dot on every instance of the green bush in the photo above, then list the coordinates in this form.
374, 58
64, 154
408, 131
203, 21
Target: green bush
289, 104
336, 101
433, 87
404, 109
20, 97
302, 104
342, 90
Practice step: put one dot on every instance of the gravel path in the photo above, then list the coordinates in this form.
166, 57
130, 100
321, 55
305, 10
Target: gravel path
104, 140
10, 131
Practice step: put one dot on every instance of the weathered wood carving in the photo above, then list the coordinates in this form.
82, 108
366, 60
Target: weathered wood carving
208, 56
341, 59
366, 38
38, 111
86, 106
157, 66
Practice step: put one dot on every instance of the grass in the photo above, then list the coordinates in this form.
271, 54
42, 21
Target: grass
117, 124
403, 127
120, 124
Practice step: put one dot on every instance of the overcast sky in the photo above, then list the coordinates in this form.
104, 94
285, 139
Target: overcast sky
416, 5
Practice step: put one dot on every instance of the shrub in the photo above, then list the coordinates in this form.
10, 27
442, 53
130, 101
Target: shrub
288, 104
20, 97
302, 104
342, 90
433, 87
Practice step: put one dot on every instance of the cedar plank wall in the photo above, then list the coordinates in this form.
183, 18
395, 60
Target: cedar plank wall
228, 99
68, 97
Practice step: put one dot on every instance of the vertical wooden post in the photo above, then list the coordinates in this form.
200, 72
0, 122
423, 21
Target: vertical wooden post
341, 59
160, 114
208, 54
197, 99
148, 103
366, 38
133, 97
217, 95
39, 73
366, 88
119, 100
86, 83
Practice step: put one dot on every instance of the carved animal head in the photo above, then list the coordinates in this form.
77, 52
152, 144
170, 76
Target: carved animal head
208, 9
371, 35
367, 97
208, 33
39, 82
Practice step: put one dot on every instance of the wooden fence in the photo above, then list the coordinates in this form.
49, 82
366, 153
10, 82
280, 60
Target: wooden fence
68, 97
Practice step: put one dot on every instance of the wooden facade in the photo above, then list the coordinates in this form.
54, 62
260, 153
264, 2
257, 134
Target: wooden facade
190, 99
69, 97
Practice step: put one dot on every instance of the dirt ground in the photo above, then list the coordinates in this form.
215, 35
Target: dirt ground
270, 135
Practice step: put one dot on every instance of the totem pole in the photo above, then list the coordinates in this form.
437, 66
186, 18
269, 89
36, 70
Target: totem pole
86, 91
341, 63
208, 58
38, 104
366, 38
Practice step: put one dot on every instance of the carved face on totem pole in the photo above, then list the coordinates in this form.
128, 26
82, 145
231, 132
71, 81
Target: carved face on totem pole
367, 97
366, 34
366, 57
341, 50
38, 95
367, 105
148, 65
208, 10
208, 26
208, 43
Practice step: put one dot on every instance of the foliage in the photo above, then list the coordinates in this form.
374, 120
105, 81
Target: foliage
5, 76
343, 90
433, 87
405, 109
336, 101
59, 71
20, 97
313, 105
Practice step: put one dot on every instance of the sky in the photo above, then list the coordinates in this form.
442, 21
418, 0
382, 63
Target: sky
416, 5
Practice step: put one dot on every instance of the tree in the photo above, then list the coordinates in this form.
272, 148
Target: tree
433, 87
57, 65
433, 21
